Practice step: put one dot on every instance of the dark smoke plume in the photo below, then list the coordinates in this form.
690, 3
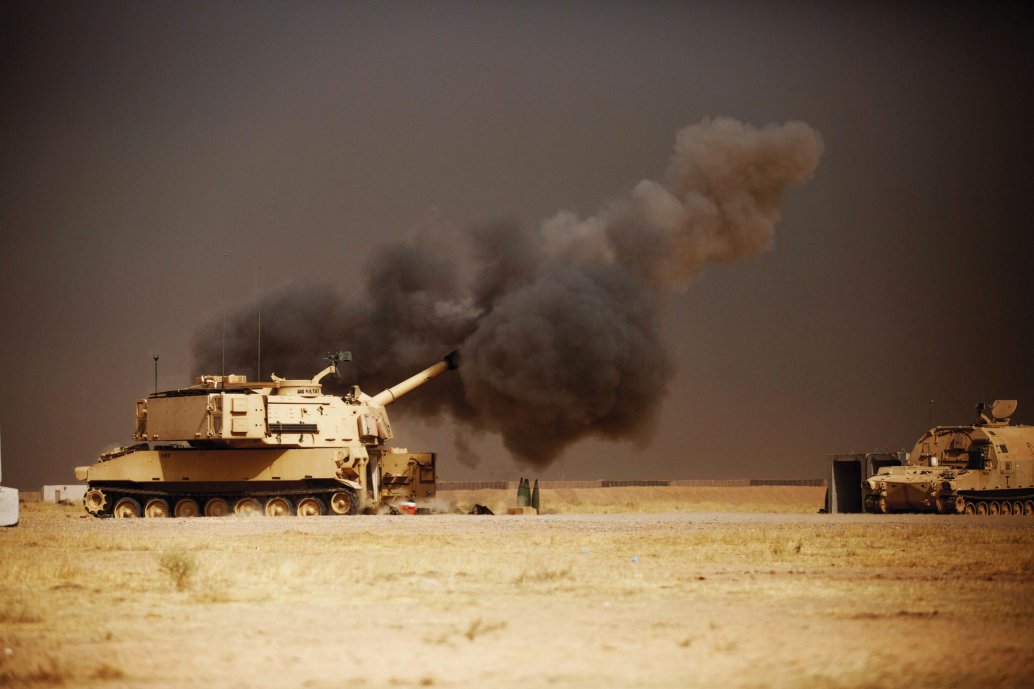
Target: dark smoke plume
557, 326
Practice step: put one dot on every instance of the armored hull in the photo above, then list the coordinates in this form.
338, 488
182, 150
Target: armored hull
188, 482
229, 446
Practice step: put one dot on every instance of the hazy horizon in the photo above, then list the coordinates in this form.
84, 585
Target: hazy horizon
167, 163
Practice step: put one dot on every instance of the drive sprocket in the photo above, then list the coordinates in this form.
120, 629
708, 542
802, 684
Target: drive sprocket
96, 502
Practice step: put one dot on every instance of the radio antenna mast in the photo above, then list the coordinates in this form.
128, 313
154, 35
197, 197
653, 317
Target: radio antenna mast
258, 366
223, 372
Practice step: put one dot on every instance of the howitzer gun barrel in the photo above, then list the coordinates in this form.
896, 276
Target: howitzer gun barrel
386, 397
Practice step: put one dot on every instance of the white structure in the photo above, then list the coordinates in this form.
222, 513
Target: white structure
70, 493
8, 505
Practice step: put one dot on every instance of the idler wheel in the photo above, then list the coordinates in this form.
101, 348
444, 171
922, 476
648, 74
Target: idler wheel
278, 507
95, 501
217, 507
126, 508
310, 507
342, 502
186, 507
156, 508
247, 507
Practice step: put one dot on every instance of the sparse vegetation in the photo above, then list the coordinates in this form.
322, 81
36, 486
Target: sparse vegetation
107, 671
180, 566
628, 600
49, 669
648, 499
543, 575
14, 609
479, 627
44, 669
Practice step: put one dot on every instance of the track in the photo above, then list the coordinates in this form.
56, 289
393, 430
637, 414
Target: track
125, 502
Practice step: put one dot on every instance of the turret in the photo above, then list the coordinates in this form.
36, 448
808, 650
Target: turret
229, 411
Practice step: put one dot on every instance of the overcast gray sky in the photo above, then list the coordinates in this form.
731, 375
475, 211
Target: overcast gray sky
142, 141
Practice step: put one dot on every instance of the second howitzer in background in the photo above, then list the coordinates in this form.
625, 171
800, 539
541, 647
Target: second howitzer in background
982, 468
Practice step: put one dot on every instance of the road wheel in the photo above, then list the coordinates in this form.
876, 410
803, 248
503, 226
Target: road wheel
1028, 508
278, 507
187, 507
95, 501
310, 507
217, 507
994, 507
981, 508
947, 504
969, 508
342, 502
126, 508
156, 508
1017, 508
247, 507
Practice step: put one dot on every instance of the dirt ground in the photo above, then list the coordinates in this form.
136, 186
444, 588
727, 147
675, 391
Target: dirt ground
694, 599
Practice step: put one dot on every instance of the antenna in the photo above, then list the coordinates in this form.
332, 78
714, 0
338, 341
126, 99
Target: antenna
258, 365
156, 374
929, 416
224, 321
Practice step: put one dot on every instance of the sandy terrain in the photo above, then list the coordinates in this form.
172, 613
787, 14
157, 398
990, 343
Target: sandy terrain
574, 600
648, 500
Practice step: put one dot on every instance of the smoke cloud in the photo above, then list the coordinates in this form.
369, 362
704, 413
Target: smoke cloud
557, 326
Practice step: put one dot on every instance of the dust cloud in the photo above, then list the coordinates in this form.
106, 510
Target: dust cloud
557, 326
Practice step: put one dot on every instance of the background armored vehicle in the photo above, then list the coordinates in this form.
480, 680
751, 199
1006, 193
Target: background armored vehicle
984, 468
279, 448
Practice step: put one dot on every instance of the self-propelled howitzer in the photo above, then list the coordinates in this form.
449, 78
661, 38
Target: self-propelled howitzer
981, 468
226, 445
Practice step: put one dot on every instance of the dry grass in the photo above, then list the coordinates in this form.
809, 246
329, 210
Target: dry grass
180, 566
647, 499
801, 601
51, 669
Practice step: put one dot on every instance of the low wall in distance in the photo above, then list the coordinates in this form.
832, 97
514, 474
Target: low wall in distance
602, 483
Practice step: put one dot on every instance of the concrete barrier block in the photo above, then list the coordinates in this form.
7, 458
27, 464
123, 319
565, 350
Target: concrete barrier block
8, 507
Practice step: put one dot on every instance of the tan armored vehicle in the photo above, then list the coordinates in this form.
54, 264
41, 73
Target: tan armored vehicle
985, 468
227, 445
